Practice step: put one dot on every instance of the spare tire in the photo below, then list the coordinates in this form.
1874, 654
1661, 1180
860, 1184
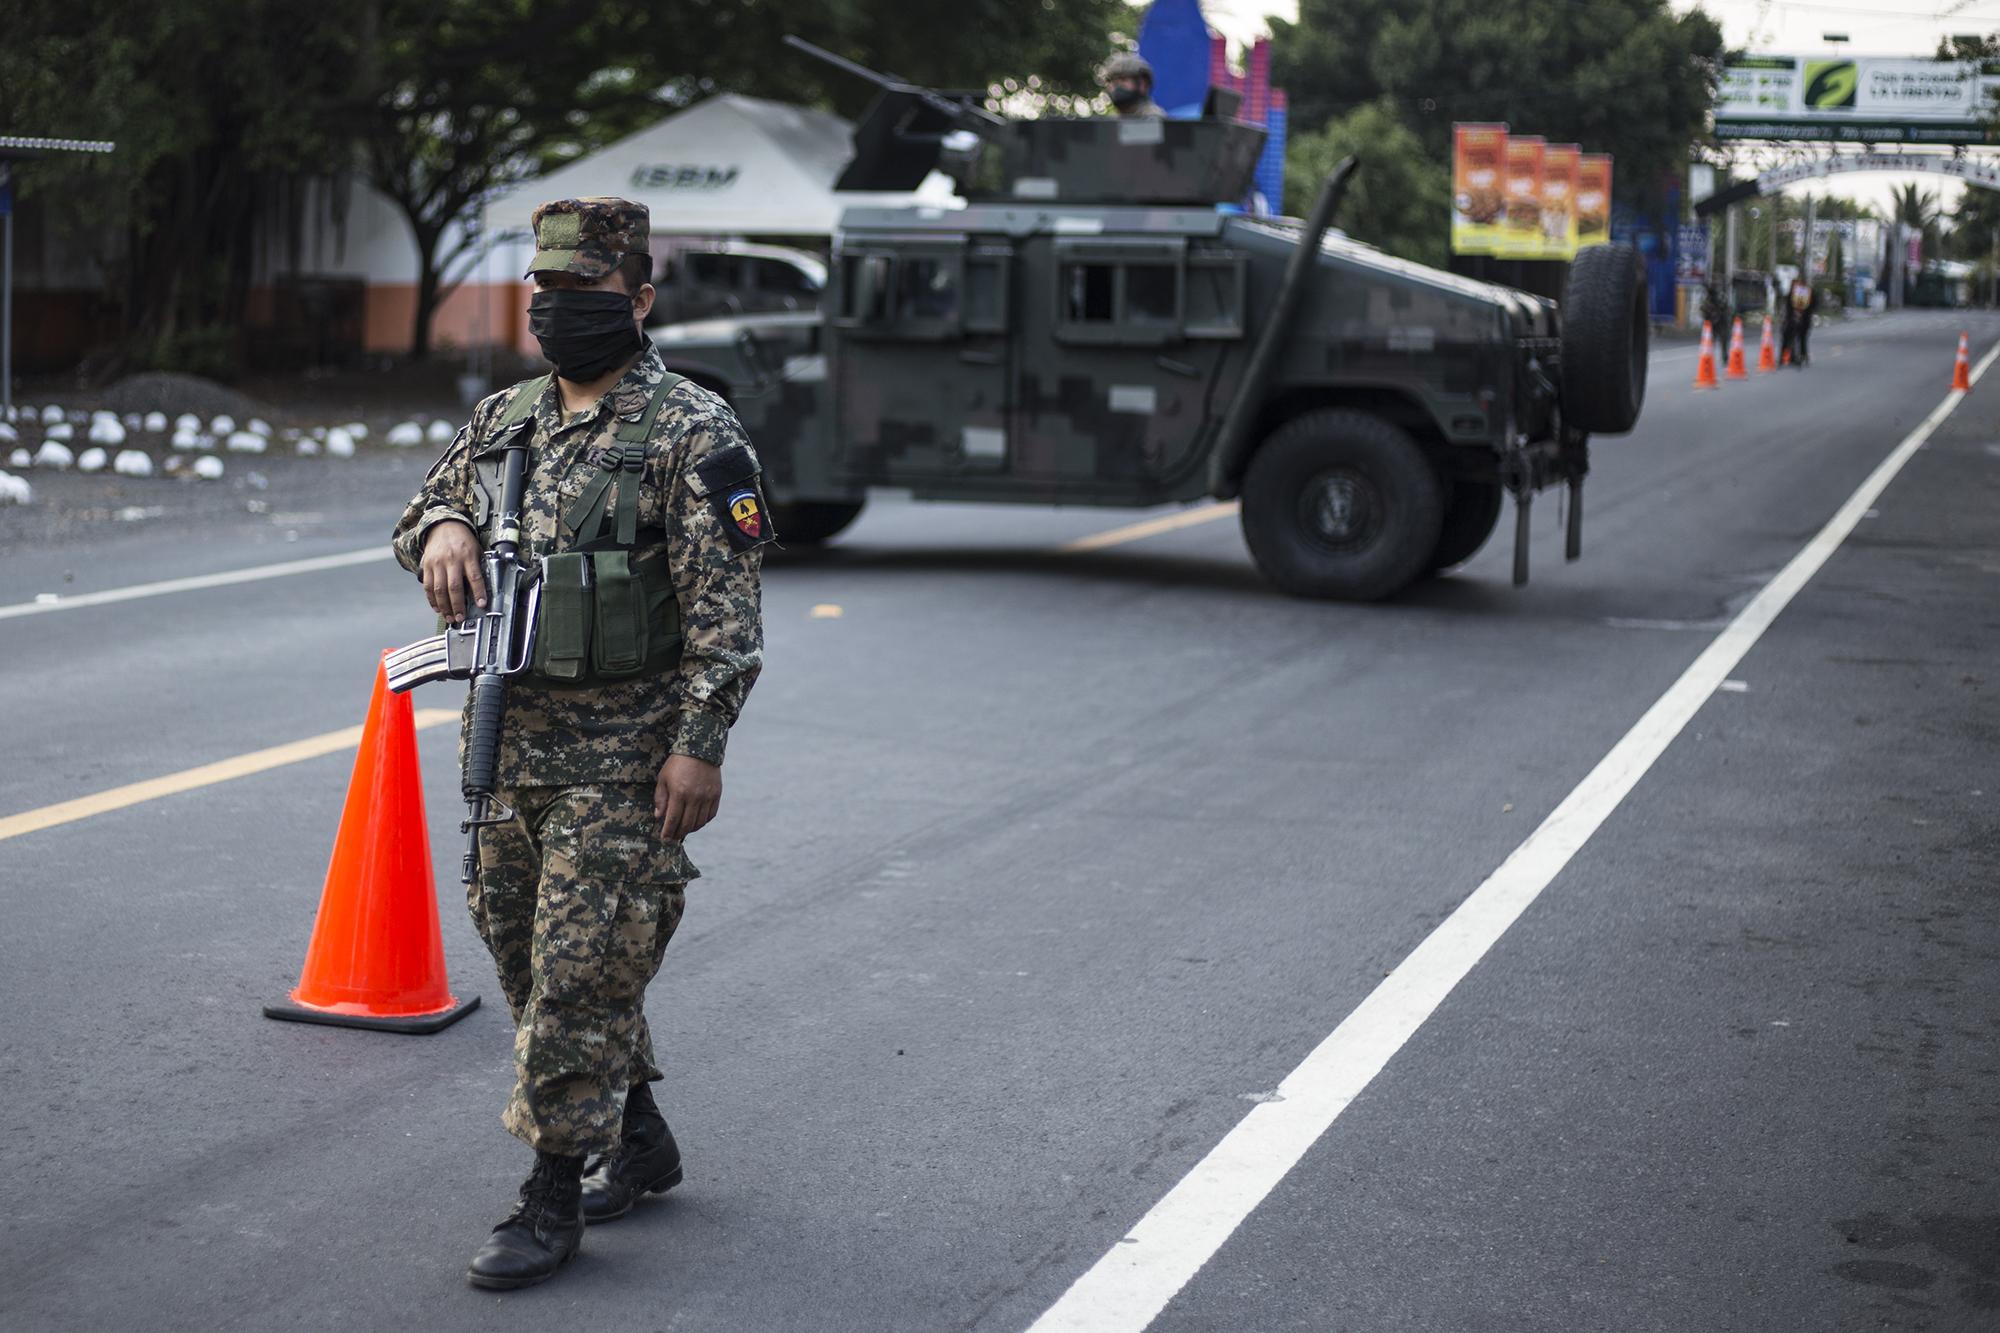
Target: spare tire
1605, 331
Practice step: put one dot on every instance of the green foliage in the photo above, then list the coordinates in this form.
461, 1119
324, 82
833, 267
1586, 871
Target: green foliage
1399, 197
221, 108
1629, 77
211, 350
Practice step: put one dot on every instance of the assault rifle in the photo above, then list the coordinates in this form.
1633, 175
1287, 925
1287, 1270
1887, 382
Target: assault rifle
485, 648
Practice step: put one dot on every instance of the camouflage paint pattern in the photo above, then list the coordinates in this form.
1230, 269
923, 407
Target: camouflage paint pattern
1121, 411
621, 732
576, 899
587, 237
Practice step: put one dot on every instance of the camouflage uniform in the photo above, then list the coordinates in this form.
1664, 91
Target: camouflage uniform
578, 895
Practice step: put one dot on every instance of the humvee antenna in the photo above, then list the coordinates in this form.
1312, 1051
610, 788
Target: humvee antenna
953, 110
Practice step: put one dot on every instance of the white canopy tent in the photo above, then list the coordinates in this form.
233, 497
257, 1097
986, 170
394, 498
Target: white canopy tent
730, 165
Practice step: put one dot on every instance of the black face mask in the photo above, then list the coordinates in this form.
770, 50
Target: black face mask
585, 333
1122, 97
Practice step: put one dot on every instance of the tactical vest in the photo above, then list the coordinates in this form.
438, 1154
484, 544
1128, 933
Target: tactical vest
606, 615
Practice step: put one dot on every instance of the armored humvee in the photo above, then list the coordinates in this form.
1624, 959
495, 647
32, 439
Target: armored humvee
1091, 328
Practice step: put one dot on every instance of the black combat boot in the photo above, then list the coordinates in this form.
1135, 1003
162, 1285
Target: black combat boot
647, 1161
541, 1233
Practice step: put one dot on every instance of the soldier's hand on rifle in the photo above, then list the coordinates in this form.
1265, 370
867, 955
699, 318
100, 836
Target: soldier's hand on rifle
449, 567
686, 796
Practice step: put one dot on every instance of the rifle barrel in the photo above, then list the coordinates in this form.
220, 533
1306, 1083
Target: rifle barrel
841, 62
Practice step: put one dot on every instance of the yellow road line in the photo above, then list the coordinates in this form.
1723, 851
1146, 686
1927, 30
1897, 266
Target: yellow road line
1187, 518
207, 775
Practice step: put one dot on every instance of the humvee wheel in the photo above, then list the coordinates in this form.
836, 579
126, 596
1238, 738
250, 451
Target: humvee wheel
1338, 503
1605, 328
810, 522
1470, 515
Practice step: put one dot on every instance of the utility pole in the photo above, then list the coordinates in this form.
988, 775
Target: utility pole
1729, 249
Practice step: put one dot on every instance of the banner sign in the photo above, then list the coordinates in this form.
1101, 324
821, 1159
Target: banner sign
1478, 159
1593, 199
1691, 254
1857, 100
1560, 164
1521, 217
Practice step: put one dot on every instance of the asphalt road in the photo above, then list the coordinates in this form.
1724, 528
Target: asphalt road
1038, 869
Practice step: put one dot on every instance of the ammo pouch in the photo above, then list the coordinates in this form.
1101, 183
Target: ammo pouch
607, 615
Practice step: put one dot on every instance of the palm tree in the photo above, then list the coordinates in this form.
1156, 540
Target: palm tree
1918, 208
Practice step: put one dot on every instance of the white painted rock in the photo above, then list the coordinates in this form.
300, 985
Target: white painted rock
15, 490
133, 463
259, 426
20, 458
223, 424
156, 422
246, 442
339, 443
61, 431
51, 415
54, 455
319, 432
133, 421
308, 447
92, 460
8, 433
406, 434
208, 468
106, 430
186, 439
357, 429
440, 432
187, 421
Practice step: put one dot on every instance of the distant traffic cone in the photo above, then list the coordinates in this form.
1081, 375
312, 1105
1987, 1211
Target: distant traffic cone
376, 959
1736, 370
1704, 370
1961, 371
1767, 360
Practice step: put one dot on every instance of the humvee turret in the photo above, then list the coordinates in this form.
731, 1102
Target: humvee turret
1093, 327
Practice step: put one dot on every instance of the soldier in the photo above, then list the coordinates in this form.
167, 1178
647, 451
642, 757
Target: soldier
1129, 80
645, 497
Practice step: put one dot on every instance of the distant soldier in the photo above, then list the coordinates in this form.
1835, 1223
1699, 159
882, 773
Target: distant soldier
643, 516
1129, 80
1800, 301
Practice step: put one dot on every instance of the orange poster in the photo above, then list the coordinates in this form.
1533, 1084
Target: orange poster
1593, 199
1521, 215
1559, 167
1477, 162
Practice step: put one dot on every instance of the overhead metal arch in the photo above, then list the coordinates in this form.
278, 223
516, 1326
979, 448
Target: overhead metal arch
1980, 171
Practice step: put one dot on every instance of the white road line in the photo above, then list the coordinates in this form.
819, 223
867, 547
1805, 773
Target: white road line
1126, 1289
222, 580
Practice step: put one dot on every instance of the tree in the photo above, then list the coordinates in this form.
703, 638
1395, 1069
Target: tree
1399, 198
1917, 208
220, 110
471, 96
1628, 77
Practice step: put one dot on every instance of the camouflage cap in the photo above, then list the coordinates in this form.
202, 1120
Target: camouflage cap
587, 237
1127, 65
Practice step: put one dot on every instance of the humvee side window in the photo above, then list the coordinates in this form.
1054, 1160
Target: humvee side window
927, 289
1215, 286
1089, 293
986, 289
864, 288
1118, 292
1152, 294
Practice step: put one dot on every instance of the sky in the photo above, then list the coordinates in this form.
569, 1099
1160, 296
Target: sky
1872, 27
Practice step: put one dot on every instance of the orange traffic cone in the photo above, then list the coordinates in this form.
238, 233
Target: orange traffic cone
1704, 370
1961, 371
376, 959
1736, 370
1767, 361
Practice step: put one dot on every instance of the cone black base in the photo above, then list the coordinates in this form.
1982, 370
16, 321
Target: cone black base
413, 1024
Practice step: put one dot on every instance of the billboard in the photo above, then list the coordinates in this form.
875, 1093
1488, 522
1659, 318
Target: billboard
1521, 216
1858, 99
1593, 199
